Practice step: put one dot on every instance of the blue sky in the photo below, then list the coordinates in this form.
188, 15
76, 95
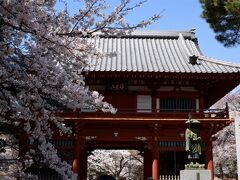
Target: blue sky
179, 15
184, 15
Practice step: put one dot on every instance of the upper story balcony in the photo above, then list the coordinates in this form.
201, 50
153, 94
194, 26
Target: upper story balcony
164, 108
177, 113
144, 107
160, 113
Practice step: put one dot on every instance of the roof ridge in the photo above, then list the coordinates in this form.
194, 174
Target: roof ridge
155, 33
164, 31
181, 40
217, 61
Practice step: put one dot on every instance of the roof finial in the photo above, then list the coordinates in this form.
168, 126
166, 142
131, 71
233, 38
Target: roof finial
193, 30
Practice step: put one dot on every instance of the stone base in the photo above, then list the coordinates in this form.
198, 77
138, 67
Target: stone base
200, 174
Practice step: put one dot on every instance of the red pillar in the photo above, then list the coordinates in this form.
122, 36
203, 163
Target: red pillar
83, 164
147, 163
77, 149
209, 158
79, 164
155, 161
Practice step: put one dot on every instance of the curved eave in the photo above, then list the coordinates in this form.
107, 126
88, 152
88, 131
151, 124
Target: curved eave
219, 66
164, 75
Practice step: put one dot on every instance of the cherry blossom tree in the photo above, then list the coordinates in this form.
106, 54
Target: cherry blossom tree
224, 152
8, 155
43, 56
224, 149
121, 164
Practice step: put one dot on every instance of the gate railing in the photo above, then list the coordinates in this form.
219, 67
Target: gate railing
181, 113
169, 177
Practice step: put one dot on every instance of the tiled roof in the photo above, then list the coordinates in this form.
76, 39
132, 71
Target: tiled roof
157, 51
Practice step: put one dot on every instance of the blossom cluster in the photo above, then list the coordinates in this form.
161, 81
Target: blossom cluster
43, 55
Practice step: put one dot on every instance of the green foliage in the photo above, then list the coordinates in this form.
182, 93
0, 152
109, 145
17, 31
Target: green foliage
223, 17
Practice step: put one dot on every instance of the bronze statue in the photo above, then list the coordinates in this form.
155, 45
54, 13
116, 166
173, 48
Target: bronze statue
193, 140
